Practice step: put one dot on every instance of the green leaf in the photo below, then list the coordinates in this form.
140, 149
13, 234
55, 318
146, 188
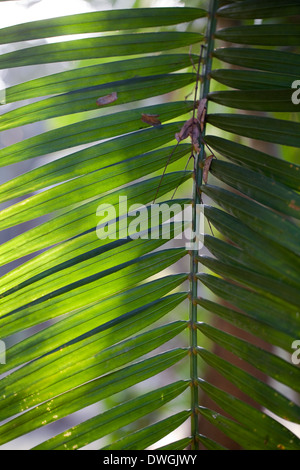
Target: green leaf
268, 286
256, 9
256, 100
99, 21
83, 218
90, 392
282, 62
97, 157
245, 437
113, 419
84, 99
258, 187
249, 322
256, 127
149, 435
268, 363
278, 261
257, 217
232, 255
209, 444
70, 193
272, 433
85, 291
85, 306
89, 368
182, 444
252, 79
101, 74
257, 390
95, 322
282, 317
91, 130
99, 47
266, 35
275, 168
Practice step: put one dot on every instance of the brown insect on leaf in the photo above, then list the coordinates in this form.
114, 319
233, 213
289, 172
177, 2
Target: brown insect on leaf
201, 113
186, 130
206, 167
107, 99
151, 119
190, 129
196, 134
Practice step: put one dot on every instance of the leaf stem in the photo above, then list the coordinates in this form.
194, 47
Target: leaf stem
200, 158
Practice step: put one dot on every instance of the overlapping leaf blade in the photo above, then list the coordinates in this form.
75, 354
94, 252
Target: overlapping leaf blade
98, 290
63, 82
266, 35
147, 436
99, 47
247, 266
275, 61
256, 9
81, 280
115, 418
99, 21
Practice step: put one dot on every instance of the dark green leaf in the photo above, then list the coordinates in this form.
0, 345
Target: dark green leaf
256, 100
282, 62
100, 74
256, 127
95, 322
257, 9
91, 130
255, 305
209, 444
84, 99
268, 363
275, 168
258, 218
252, 80
278, 261
99, 47
261, 283
147, 436
271, 432
89, 393
113, 419
99, 21
258, 187
266, 35
267, 396
177, 445
254, 324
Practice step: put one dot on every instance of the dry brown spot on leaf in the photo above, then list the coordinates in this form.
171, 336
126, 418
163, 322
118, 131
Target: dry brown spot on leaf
151, 119
292, 205
107, 99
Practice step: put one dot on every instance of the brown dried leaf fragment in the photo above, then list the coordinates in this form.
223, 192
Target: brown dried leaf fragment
186, 130
103, 100
206, 167
151, 119
190, 129
195, 138
201, 113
